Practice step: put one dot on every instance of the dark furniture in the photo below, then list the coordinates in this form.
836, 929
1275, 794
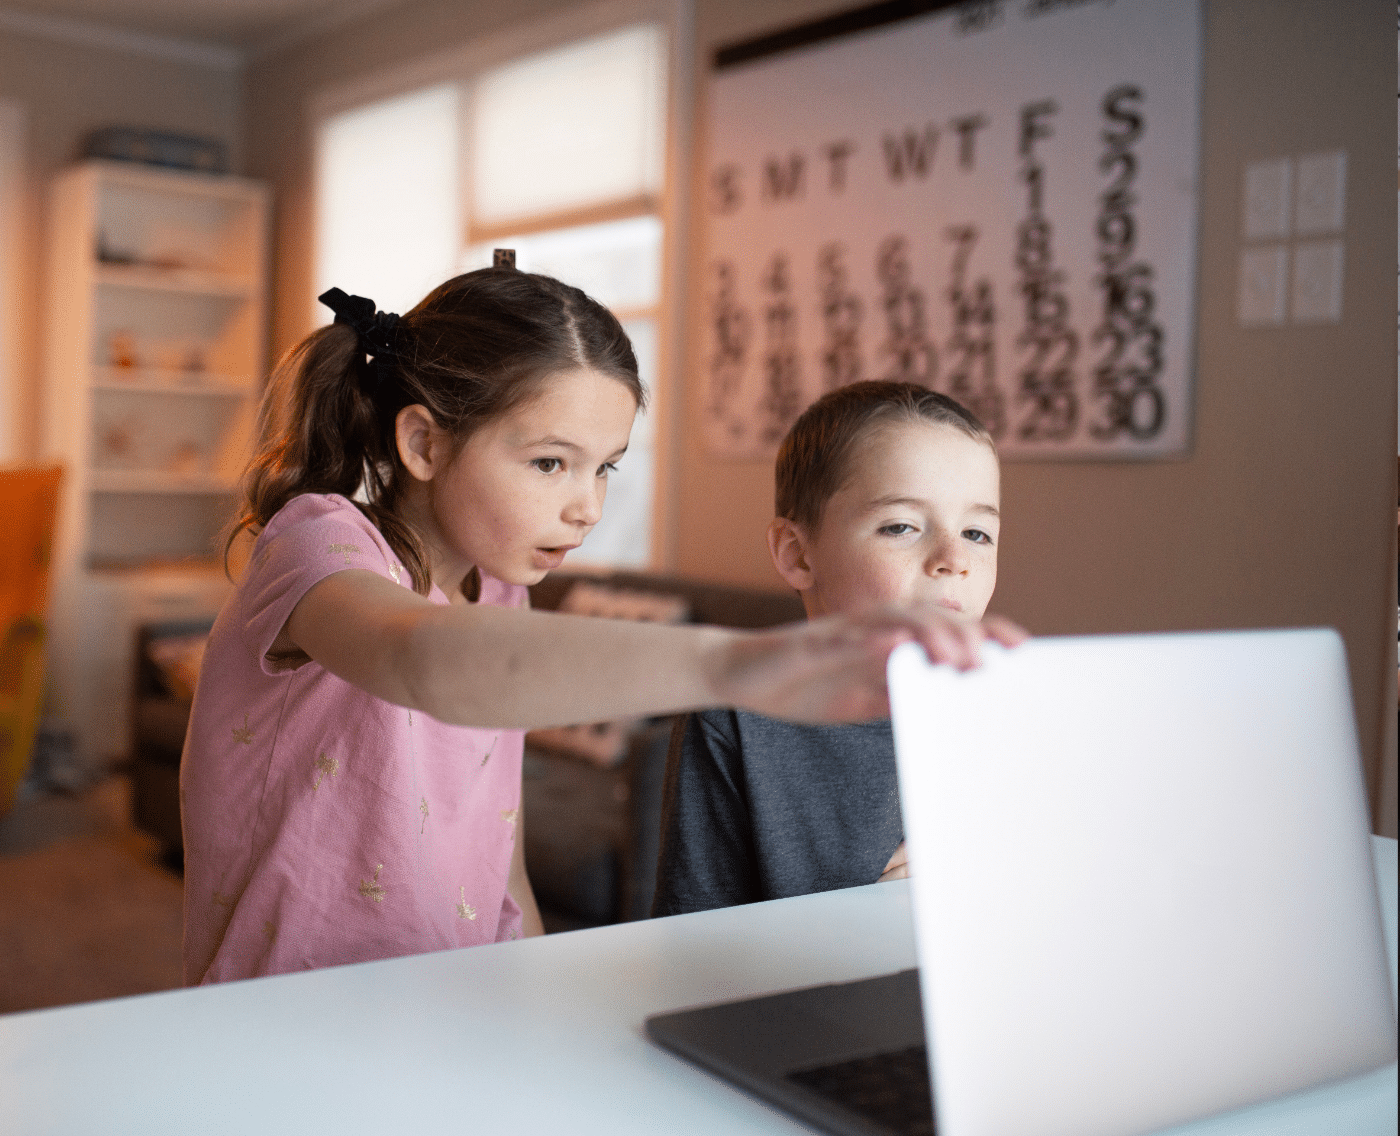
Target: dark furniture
160, 714
591, 833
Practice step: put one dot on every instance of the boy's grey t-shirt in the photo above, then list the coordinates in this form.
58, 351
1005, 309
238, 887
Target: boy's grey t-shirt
757, 808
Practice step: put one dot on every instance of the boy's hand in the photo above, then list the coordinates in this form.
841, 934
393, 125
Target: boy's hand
898, 867
833, 669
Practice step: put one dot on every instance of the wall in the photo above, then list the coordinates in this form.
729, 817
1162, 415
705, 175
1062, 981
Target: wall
1281, 515
68, 88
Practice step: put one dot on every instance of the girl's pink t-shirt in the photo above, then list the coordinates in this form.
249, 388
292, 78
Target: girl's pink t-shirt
323, 825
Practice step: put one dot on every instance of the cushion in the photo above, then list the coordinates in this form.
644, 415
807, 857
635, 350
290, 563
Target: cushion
178, 659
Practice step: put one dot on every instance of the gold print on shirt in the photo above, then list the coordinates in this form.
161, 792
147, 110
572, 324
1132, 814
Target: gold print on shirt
372, 889
510, 815
464, 909
325, 767
243, 734
423, 808
394, 572
345, 550
222, 900
491, 749
269, 932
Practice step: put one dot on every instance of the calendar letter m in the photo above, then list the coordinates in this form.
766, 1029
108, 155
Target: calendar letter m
910, 154
782, 178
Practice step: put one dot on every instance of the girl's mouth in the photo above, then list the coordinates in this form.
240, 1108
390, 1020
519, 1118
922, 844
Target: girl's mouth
550, 558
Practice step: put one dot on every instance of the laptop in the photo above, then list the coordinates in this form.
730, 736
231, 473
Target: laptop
1142, 890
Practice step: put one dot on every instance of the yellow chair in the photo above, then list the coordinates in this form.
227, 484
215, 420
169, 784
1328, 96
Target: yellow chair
29, 506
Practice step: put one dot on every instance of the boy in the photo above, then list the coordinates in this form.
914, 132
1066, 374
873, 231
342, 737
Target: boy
887, 493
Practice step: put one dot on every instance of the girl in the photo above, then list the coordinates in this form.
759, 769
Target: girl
351, 778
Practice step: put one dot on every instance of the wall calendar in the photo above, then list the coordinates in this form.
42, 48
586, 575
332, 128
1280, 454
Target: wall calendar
995, 199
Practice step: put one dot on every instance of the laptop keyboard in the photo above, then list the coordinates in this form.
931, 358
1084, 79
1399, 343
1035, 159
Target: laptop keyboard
890, 1089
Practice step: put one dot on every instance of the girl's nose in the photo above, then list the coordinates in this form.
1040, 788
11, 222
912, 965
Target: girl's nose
948, 556
586, 506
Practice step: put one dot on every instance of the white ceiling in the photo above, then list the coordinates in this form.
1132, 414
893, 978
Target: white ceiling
238, 24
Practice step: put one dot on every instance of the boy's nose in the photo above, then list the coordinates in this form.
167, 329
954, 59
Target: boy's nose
948, 556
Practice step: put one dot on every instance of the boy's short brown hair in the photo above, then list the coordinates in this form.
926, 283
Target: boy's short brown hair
813, 461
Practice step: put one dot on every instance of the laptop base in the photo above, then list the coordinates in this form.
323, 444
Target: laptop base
802, 1049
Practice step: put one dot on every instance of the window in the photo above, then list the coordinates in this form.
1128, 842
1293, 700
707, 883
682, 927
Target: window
558, 154
387, 216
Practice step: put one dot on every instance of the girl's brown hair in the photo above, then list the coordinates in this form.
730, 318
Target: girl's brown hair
477, 347
814, 459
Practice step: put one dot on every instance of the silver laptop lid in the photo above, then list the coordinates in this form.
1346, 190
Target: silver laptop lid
1142, 879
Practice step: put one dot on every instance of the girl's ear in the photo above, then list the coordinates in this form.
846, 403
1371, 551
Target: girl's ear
787, 544
420, 442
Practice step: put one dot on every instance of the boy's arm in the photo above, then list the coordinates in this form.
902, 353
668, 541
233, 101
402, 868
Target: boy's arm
707, 855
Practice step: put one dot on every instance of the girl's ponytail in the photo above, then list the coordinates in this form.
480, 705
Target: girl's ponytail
320, 431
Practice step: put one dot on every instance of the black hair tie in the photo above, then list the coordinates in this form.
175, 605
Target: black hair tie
377, 332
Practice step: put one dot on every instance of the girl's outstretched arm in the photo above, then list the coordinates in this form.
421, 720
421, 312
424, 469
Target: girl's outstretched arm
507, 667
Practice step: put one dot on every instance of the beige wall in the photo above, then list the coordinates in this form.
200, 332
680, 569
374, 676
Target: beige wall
67, 90
1280, 515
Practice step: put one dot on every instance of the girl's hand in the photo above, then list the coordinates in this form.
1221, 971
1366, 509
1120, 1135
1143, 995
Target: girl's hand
833, 669
898, 867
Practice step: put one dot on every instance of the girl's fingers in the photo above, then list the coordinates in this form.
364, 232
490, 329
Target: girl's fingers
957, 641
950, 640
834, 669
1005, 631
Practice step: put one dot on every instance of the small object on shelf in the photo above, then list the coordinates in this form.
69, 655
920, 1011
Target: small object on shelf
157, 148
185, 459
122, 352
117, 444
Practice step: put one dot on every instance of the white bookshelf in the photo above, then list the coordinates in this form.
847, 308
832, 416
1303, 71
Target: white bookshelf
156, 315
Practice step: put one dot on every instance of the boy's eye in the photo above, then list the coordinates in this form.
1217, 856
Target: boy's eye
899, 528
547, 465
977, 536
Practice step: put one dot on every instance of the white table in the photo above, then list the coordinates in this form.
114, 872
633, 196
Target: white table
539, 1036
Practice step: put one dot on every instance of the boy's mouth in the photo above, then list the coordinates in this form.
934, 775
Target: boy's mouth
952, 605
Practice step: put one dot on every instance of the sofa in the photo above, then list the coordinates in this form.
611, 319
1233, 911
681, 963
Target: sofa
591, 822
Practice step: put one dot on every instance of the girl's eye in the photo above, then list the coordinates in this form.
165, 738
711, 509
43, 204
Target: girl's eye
899, 528
547, 465
607, 468
977, 536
